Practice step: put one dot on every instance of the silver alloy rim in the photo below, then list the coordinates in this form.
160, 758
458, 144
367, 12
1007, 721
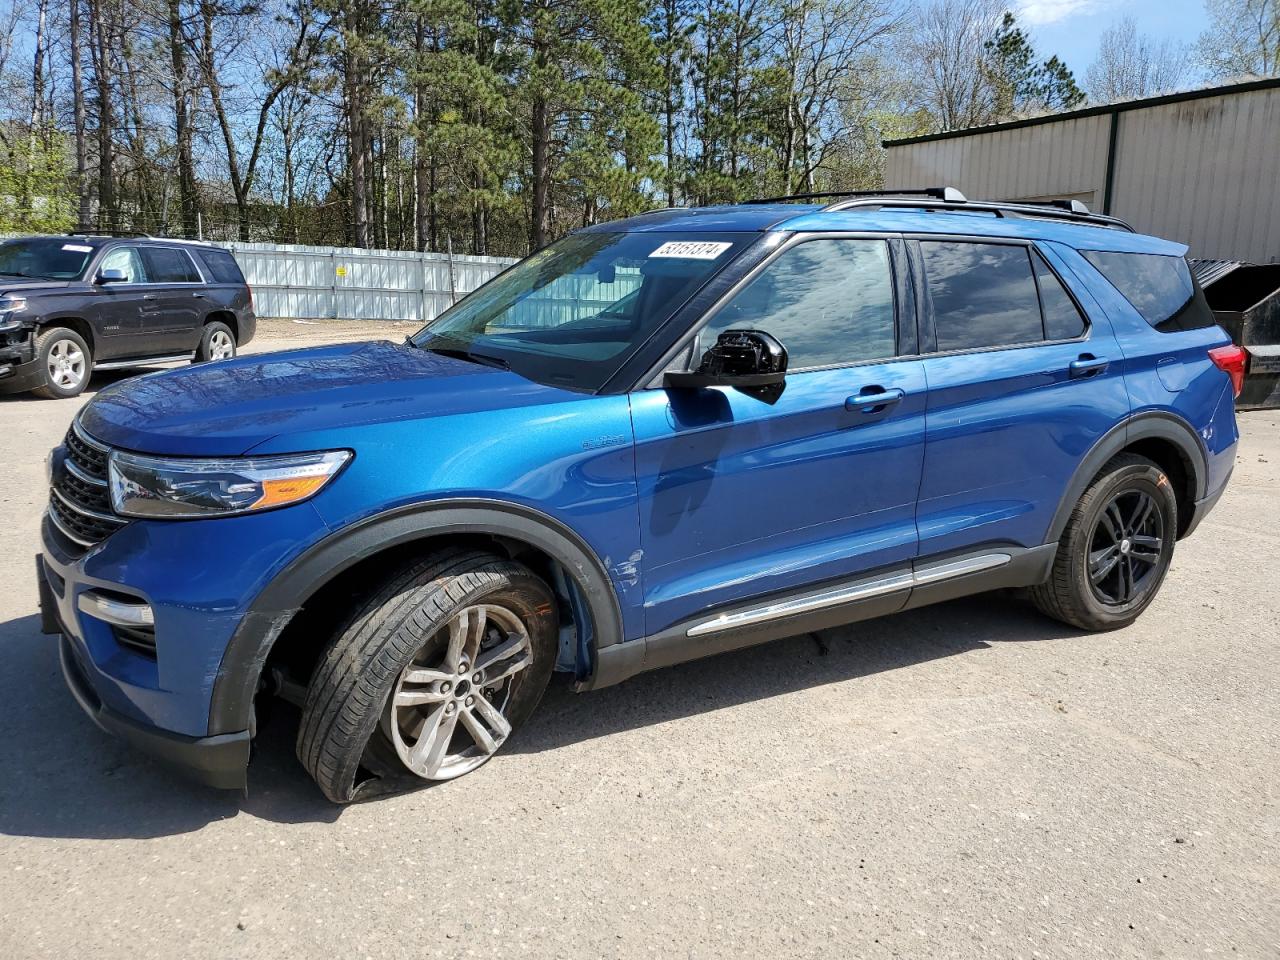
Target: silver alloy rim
66, 364
447, 712
221, 346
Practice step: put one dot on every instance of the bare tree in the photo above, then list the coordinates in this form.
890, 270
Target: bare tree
945, 52
1244, 40
78, 112
1131, 65
825, 45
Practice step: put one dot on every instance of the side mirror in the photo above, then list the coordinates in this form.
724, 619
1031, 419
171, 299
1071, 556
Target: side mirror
112, 276
746, 359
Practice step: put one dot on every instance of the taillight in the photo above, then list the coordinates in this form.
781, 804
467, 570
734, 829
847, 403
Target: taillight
1232, 361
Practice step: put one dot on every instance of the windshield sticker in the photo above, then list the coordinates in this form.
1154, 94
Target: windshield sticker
691, 249
77, 248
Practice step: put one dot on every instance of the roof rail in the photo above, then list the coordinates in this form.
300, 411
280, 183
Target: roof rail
110, 233
937, 193
1068, 211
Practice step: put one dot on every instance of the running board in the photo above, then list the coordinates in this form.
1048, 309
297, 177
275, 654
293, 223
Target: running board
862, 591
996, 567
142, 362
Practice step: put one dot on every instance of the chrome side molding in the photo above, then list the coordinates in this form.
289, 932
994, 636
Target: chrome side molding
859, 591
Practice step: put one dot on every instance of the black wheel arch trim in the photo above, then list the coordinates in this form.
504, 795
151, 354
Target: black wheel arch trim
1152, 424
236, 683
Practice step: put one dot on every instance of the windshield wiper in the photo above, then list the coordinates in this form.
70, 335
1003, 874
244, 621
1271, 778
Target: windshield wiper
462, 354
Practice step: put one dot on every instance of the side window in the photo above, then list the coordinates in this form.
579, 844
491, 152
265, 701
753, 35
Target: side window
221, 266
828, 301
167, 265
126, 259
1062, 318
983, 294
1159, 287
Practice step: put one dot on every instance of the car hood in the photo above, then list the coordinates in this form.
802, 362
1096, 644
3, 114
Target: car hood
229, 407
21, 286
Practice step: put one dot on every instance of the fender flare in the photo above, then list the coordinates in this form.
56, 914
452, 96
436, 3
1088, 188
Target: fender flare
1141, 426
236, 682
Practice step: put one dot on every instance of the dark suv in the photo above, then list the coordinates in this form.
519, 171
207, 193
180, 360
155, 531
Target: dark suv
654, 440
71, 305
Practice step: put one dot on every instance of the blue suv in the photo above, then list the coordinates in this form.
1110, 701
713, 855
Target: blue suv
654, 440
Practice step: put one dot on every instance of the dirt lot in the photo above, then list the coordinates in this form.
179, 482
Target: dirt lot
966, 780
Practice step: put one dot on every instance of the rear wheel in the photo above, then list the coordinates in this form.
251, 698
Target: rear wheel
217, 342
432, 675
65, 361
1116, 548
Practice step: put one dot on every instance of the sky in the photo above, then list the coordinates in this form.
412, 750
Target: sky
1071, 28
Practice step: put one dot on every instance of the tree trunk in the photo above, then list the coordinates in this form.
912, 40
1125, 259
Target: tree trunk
357, 150
82, 147
100, 42
182, 120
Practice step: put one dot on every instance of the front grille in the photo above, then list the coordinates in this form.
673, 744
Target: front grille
79, 503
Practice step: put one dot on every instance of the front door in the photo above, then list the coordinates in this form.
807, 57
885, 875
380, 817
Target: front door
120, 303
740, 498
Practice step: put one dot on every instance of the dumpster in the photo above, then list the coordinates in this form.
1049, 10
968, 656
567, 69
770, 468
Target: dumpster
1245, 297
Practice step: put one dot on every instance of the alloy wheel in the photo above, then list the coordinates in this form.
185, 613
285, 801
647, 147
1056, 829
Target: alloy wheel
66, 364
446, 713
221, 346
1126, 548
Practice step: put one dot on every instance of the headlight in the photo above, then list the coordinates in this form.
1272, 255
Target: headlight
8, 307
181, 489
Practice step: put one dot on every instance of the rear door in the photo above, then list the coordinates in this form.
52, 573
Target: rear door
171, 325
742, 498
1021, 385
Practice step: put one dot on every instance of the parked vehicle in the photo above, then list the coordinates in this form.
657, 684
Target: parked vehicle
655, 440
72, 305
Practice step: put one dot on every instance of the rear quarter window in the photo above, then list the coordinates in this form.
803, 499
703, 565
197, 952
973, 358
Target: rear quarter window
1161, 288
221, 266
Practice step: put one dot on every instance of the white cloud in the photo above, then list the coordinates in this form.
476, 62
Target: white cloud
1039, 13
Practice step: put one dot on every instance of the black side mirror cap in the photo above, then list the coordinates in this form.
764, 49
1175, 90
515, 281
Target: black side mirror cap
738, 358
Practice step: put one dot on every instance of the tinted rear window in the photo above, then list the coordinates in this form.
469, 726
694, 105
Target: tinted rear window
983, 294
1062, 318
1160, 288
166, 265
221, 266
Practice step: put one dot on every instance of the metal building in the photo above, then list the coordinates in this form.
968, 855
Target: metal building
1201, 167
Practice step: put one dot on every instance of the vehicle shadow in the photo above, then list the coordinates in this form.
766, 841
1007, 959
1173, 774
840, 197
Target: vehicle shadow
785, 666
66, 778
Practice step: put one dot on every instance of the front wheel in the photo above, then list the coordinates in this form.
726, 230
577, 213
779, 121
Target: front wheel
1116, 548
432, 674
65, 361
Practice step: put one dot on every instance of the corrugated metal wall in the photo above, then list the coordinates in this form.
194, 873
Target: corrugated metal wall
1203, 170
309, 283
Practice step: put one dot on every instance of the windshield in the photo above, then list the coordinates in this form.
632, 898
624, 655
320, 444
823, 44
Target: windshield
44, 258
573, 312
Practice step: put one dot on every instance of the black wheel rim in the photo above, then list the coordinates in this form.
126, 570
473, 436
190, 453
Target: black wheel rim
1126, 549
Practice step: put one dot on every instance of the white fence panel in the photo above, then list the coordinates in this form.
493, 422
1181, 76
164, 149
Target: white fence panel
298, 282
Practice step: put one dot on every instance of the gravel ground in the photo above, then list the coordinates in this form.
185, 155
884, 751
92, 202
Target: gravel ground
961, 781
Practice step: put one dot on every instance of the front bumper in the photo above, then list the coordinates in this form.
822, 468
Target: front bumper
221, 761
198, 578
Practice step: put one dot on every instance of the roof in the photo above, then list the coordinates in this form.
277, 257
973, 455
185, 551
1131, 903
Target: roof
1109, 108
813, 218
733, 218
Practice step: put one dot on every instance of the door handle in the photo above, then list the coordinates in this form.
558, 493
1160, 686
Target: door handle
198, 295
1088, 366
873, 399
149, 296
